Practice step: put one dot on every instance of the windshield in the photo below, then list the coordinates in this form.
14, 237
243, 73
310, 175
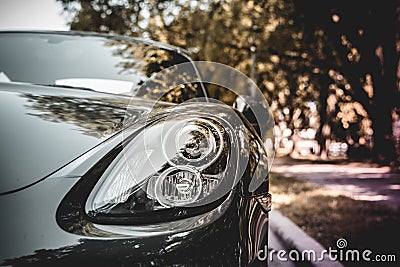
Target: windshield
112, 65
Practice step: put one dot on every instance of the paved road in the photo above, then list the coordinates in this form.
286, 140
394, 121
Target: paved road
363, 181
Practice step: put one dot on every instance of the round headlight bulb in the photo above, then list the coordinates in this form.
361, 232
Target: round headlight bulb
197, 142
178, 186
194, 143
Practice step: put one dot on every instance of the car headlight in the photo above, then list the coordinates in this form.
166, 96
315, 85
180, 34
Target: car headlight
175, 167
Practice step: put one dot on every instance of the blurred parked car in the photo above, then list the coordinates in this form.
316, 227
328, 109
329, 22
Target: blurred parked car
337, 149
72, 111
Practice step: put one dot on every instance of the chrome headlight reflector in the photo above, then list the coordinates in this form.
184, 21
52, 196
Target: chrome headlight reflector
178, 186
197, 142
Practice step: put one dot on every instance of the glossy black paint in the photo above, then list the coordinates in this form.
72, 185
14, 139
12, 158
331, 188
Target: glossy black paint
39, 122
51, 139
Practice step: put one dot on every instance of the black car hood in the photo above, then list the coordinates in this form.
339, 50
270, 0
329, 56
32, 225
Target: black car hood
44, 128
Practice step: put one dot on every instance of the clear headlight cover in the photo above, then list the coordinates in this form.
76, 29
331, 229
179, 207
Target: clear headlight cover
180, 163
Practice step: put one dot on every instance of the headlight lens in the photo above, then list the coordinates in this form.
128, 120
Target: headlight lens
175, 165
178, 186
197, 142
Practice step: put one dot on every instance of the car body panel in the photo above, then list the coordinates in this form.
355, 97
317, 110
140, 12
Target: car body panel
38, 122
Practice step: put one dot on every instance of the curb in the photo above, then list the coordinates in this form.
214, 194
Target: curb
295, 238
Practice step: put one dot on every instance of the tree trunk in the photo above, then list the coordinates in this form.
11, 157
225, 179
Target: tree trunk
385, 83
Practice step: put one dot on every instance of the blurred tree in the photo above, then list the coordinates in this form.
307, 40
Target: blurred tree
365, 37
126, 17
